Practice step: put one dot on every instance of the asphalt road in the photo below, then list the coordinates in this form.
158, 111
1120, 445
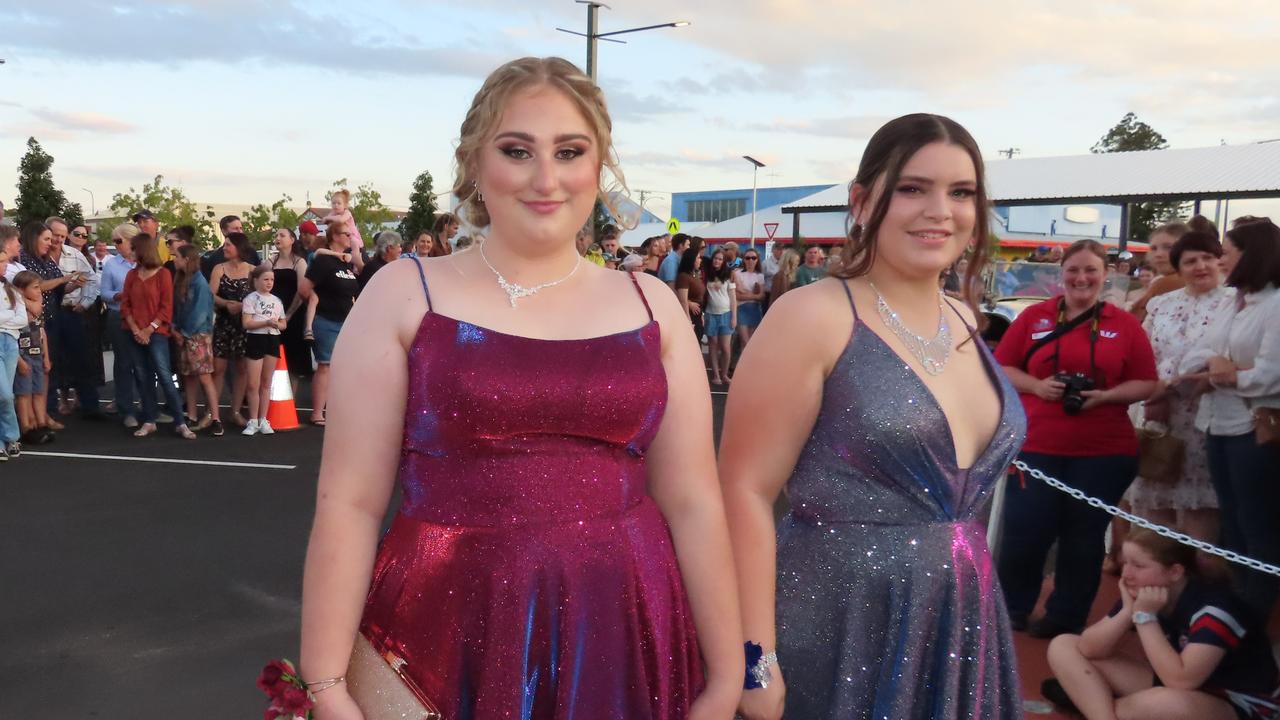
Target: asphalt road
132, 589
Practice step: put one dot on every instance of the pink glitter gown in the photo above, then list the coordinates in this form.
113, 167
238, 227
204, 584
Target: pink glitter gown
528, 574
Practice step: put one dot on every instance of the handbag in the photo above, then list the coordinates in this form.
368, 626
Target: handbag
1266, 426
377, 683
1160, 456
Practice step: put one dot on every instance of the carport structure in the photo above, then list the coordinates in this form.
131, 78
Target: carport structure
1197, 175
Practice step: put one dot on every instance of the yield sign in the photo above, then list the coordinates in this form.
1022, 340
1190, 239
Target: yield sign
771, 228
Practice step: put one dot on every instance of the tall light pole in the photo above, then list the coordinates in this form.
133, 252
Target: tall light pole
592, 33
755, 169
93, 204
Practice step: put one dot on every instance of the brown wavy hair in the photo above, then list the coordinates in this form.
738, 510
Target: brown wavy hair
889, 150
482, 121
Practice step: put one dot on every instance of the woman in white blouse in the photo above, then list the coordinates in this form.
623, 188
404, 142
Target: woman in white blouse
1241, 360
1176, 322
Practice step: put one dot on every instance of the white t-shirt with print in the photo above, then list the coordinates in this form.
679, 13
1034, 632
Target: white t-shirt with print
263, 307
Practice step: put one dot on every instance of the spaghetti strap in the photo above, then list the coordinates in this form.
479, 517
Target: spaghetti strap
849, 294
422, 276
643, 299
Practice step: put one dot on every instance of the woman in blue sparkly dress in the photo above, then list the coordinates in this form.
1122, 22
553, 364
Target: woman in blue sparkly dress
889, 433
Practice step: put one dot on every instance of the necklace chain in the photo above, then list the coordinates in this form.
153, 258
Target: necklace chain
932, 354
515, 290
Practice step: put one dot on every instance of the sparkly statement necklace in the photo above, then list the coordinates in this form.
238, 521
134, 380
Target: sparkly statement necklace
515, 291
932, 354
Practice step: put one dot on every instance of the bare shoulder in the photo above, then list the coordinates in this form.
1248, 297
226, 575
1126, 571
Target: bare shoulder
659, 295
392, 303
962, 308
812, 323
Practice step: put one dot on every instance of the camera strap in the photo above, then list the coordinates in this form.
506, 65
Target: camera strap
1062, 328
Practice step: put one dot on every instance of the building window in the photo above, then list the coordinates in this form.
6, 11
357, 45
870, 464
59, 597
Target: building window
715, 210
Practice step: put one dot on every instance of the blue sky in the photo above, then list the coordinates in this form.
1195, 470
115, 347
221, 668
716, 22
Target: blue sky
240, 100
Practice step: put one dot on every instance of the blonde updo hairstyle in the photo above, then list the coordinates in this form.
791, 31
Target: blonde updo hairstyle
481, 123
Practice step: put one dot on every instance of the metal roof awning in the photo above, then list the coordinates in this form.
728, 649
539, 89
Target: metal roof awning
1225, 172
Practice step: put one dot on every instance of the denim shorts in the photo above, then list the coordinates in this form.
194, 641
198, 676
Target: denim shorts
717, 325
749, 314
326, 335
33, 383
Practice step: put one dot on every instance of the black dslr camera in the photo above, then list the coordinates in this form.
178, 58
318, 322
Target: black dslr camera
1076, 383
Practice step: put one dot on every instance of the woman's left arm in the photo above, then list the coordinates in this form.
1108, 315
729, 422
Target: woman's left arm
684, 483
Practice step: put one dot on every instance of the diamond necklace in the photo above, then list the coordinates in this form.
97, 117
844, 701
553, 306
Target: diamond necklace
932, 354
515, 290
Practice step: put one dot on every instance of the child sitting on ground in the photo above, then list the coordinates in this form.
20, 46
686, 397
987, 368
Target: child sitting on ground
1206, 656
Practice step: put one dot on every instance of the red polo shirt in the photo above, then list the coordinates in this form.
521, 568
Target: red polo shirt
1123, 353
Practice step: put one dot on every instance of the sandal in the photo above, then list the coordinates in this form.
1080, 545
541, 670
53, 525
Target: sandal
55, 425
317, 422
185, 433
145, 429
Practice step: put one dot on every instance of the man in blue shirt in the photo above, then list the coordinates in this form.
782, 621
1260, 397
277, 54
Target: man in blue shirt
670, 266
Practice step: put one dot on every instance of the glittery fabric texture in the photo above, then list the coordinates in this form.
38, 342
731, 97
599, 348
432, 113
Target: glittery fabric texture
888, 605
527, 574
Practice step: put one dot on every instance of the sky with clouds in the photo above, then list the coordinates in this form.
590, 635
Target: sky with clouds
242, 100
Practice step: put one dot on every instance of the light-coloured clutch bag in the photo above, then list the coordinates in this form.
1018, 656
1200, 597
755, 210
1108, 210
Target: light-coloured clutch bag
381, 691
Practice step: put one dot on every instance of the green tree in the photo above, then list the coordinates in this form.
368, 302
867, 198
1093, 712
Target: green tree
1132, 134
38, 196
422, 209
261, 221
171, 207
366, 208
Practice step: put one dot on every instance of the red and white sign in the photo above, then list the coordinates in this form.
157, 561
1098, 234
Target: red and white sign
770, 229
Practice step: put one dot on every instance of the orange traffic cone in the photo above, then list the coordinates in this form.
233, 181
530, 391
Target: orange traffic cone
281, 411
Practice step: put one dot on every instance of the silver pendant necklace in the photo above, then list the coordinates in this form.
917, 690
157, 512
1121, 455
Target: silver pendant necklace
515, 290
932, 354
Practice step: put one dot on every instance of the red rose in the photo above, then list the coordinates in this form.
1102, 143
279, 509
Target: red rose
269, 679
295, 701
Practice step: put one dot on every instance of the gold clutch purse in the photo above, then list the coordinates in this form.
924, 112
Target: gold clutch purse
381, 691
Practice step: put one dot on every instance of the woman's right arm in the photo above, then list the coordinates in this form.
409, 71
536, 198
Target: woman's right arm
760, 404
215, 278
1099, 639
357, 475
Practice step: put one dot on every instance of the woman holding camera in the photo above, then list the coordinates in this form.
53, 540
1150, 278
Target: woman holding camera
1078, 363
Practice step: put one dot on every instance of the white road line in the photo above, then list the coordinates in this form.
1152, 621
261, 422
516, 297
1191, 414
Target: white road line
176, 461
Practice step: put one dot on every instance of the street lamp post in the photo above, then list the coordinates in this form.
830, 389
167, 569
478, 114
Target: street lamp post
93, 204
592, 34
755, 169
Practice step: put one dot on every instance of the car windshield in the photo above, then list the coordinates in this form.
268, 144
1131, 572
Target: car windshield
1027, 279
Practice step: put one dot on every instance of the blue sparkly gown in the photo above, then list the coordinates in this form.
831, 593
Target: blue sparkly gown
888, 604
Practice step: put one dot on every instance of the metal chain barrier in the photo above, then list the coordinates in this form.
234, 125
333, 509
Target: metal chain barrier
1183, 538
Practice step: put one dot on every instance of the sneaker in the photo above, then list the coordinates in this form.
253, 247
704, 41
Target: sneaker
13, 449
250, 428
164, 418
131, 422
264, 427
188, 420
215, 428
4, 457
204, 423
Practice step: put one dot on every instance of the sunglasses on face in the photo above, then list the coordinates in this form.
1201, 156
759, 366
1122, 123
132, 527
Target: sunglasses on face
79, 234
751, 257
